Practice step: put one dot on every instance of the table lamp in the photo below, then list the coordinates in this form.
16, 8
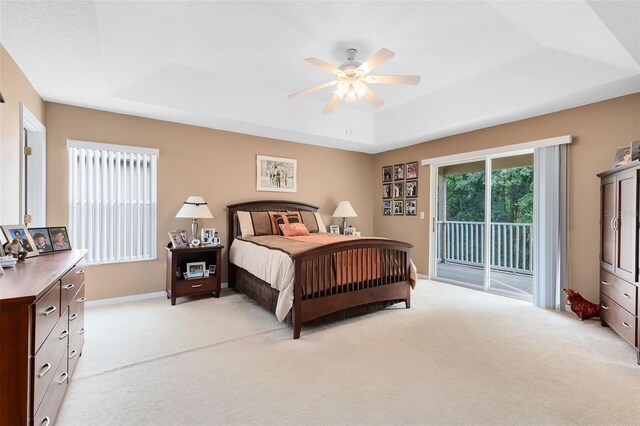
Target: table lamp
344, 210
195, 208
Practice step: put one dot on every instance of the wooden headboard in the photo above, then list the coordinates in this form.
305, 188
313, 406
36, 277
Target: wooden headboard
261, 206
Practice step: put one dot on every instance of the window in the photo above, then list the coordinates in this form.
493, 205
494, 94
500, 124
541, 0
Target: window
112, 201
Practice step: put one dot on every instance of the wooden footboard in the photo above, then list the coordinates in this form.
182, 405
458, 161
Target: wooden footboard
346, 274
338, 276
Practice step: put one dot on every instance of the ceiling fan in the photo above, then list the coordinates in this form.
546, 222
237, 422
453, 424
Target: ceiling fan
353, 76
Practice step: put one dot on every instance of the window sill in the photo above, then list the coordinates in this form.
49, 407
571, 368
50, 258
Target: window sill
114, 262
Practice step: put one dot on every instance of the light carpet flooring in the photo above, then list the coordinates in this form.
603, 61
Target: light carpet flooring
458, 356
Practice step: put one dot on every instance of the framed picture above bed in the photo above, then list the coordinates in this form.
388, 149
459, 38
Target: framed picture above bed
276, 174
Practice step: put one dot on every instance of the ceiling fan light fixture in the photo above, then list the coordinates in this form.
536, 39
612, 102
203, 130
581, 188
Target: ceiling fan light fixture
350, 90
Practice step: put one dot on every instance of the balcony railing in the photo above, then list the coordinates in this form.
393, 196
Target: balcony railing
463, 242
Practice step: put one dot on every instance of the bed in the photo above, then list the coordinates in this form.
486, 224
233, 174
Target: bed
333, 280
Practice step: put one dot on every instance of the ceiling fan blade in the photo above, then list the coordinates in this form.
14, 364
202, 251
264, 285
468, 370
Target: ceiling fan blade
322, 64
313, 89
376, 60
393, 79
372, 98
332, 104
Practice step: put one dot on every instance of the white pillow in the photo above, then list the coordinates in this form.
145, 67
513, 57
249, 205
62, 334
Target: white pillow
321, 227
246, 223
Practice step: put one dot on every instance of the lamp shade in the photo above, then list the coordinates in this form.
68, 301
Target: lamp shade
344, 209
195, 208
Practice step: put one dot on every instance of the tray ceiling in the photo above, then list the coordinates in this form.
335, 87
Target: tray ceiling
231, 65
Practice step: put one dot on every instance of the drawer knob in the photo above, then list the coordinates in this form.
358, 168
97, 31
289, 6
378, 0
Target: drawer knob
64, 334
80, 272
196, 285
625, 324
63, 378
81, 331
72, 354
73, 317
604, 306
45, 421
604, 283
627, 296
50, 310
44, 370
69, 286
82, 299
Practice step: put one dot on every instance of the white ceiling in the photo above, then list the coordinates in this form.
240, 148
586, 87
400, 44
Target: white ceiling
230, 65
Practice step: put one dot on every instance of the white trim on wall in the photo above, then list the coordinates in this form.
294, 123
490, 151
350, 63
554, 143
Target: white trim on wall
132, 298
498, 151
71, 143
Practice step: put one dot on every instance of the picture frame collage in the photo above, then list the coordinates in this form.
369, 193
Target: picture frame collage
400, 189
34, 241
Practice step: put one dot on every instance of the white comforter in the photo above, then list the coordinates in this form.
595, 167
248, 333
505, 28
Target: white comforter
272, 266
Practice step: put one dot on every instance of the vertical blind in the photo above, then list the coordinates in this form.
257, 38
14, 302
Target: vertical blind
112, 193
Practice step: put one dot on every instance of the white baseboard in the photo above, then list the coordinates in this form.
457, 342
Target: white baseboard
424, 276
133, 298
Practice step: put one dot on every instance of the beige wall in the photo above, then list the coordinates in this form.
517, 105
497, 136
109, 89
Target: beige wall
598, 129
16, 90
220, 166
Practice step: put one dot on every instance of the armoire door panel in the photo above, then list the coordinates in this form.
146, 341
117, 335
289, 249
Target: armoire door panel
607, 215
626, 226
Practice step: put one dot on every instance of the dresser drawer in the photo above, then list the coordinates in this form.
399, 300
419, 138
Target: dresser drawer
48, 357
620, 291
203, 285
618, 319
47, 312
48, 410
71, 283
76, 312
75, 349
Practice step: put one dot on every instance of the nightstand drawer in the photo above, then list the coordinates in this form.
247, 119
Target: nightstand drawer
187, 287
620, 291
618, 319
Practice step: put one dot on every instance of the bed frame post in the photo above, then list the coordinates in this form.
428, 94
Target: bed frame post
297, 300
407, 300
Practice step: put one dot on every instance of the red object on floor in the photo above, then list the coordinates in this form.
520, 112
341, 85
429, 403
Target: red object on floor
580, 306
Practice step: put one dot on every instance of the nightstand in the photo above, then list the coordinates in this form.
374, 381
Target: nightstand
177, 259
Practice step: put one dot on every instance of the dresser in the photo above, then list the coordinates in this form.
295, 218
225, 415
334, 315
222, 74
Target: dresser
41, 335
619, 254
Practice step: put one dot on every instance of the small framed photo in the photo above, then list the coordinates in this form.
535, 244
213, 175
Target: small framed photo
334, 229
387, 209
212, 270
59, 238
398, 172
176, 239
635, 150
195, 269
386, 190
412, 189
22, 235
387, 173
398, 208
350, 231
42, 240
185, 239
207, 236
411, 207
623, 156
398, 189
412, 170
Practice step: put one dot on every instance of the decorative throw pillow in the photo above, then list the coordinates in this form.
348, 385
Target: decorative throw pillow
261, 223
313, 222
294, 229
282, 218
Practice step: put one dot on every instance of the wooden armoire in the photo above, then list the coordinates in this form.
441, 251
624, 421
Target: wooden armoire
619, 254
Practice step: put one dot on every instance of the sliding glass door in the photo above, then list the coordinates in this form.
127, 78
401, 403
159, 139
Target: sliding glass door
484, 224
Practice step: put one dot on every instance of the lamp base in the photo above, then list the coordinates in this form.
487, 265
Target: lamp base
194, 229
344, 224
